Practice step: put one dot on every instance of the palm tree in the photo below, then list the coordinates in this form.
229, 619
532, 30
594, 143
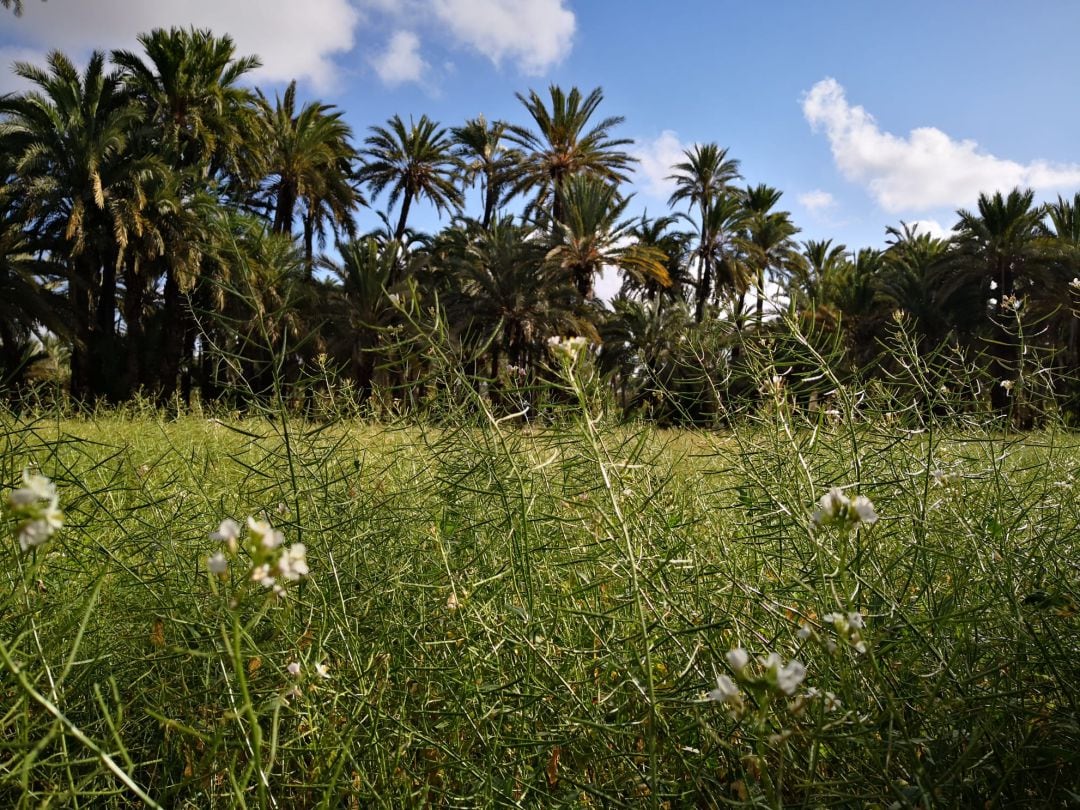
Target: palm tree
413, 162
189, 87
770, 242
822, 260
999, 256
706, 174
915, 263
28, 297
485, 159
565, 145
676, 248
721, 253
508, 297
203, 122
701, 180
592, 236
78, 181
308, 157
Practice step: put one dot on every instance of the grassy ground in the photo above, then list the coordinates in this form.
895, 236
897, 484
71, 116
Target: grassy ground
502, 615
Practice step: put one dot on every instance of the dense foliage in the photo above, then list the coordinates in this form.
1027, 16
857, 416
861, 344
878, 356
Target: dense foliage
165, 231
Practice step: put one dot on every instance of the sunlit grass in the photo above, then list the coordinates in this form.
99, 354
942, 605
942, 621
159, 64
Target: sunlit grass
497, 615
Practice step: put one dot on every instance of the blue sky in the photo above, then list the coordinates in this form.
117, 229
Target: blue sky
863, 113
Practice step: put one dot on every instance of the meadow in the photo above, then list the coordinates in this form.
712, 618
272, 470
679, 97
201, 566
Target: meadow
575, 613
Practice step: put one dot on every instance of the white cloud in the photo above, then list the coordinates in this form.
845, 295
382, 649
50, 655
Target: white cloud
401, 61
927, 169
295, 40
535, 34
656, 157
816, 201
931, 227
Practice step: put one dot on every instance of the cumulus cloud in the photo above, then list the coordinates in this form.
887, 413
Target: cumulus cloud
816, 201
294, 40
656, 157
924, 170
401, 61
535, 34
931, 227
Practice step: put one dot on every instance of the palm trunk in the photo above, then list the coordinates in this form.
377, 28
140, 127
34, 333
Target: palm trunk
406, 203
283, 212
309, 239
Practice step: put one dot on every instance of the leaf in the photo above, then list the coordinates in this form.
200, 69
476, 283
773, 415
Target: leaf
553, 767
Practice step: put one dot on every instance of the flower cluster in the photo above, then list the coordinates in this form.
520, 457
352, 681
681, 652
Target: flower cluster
846, 626
568, 346
773, 675
837, 509
272, 562
36, 509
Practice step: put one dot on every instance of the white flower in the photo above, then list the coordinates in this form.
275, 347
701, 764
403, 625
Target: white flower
293, 563
804, 632
266, 535
227, 532
864, 509
737, 659
217, 564
1075, 283
36, 506
36, 489
262, 575
847, 513
725, 692
1008, 384
323, 671
33, 533
293, 669
856, 620
832, 703
993, 285
789, 677
785, 677
831, 506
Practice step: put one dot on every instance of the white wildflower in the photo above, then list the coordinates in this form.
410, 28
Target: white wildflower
993, 285
864, 509
293, 669
266, 535
856, 620
737, 659
804, 632
262, 575
33, 533
832, 703
323, 671
293, 563
835, 508
217, 564
228, 532
1008, 385
36, 506
725, 692
790, 676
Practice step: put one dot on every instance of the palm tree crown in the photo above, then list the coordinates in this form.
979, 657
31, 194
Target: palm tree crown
413, 162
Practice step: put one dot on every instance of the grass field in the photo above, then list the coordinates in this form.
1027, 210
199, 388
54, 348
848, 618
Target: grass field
499, 615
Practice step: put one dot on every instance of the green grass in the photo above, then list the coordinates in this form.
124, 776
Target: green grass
533, 616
